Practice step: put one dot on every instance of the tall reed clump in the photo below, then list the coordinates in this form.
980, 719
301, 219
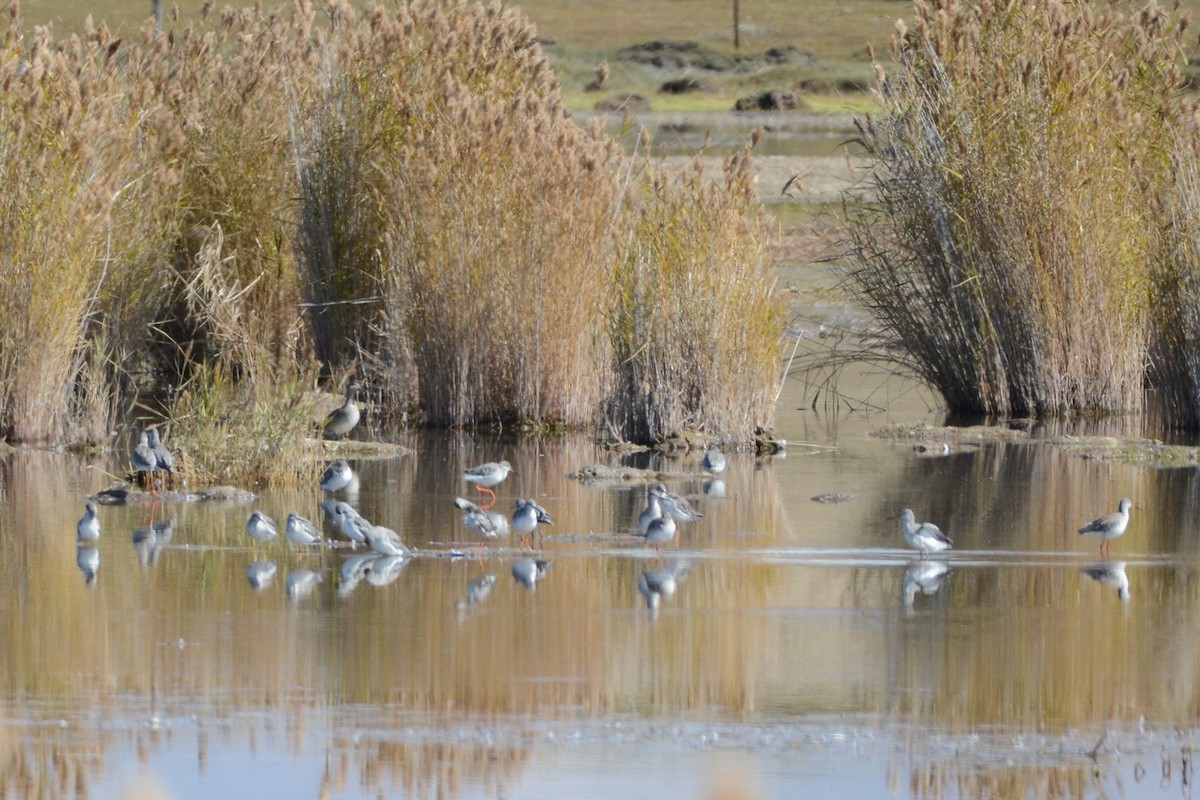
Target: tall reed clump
1175, 362
227, 98
63, 157
694, 320
1015, 160
497, 253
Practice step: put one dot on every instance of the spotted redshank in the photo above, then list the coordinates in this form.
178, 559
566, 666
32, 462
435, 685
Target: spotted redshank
1110, 526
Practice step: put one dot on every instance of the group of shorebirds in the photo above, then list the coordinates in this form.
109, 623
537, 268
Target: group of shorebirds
656, 525
928, 538
926, 576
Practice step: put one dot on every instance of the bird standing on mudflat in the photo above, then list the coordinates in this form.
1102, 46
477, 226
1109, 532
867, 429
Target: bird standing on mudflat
144, 462
166, 461
1110, 526
926, 537
343, 418
485, 476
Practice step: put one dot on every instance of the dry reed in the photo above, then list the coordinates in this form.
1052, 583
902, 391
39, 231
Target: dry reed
412, 174
694, 320
1017, 156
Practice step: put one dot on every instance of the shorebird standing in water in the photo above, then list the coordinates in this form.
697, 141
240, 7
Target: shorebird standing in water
88, 527
301, 530
343, 418
478, 521
261, 528
1110, 526
485, 476
527, 515
675, 506
926, 537
660, 531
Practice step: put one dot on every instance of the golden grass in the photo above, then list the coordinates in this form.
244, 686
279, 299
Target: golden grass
694, 321
414, 175
1018, 158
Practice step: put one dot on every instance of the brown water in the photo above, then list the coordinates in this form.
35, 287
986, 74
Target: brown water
795, 658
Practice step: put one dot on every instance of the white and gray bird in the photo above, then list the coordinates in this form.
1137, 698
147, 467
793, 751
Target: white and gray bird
651, 512
660, 531
926, 536
675, 506
486, 476
476, 519
301, 530
88, 527
1110, 526
165, 460
144, 462
386, 541
352, 525
261, 528
527, 515
343, 418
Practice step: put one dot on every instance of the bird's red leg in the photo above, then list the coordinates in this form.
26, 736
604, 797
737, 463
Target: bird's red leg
490, 503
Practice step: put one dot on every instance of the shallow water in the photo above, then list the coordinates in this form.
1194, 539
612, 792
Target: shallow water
805, 650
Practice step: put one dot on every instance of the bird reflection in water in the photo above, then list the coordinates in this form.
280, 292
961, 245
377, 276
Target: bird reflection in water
660, 583
1111, 575
301, 583
354, 569
382, 570
478, 590
87, 558
923, 577
528, 571
149, 541
260, 574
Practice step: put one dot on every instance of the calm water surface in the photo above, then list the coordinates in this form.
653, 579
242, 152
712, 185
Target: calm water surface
805, 651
